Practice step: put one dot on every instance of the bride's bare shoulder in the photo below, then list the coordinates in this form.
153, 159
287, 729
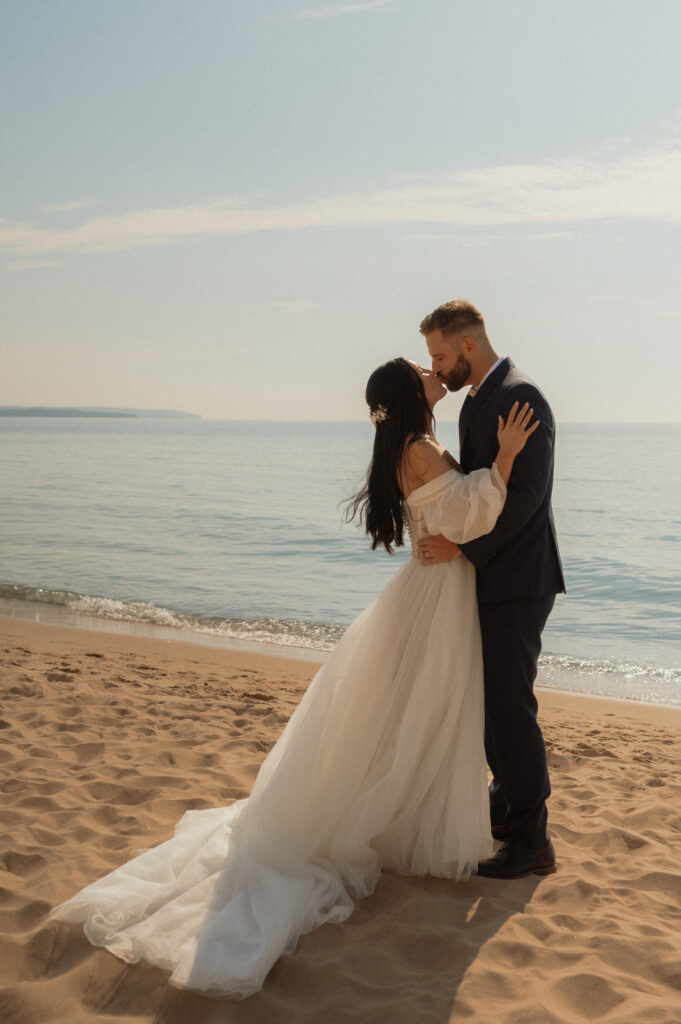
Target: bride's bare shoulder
423, 460
424, 451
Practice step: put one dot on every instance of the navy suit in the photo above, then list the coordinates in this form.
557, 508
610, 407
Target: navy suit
518, 572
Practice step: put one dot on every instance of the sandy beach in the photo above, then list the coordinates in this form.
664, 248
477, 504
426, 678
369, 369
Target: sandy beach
105, 741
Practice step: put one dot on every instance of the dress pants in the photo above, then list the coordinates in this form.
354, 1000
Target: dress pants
514, 745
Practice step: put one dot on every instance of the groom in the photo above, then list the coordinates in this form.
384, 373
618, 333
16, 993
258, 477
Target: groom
518, 572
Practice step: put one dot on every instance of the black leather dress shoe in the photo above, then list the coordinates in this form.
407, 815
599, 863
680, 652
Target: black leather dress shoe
501, 832
516, 859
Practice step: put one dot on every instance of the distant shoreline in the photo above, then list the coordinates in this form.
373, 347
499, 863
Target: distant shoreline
92, 412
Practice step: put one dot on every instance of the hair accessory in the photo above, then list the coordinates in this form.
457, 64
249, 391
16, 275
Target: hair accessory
379, 415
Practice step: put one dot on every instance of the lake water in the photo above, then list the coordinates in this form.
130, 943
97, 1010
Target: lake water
234, 530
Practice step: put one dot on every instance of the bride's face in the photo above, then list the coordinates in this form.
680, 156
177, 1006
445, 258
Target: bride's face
433, 386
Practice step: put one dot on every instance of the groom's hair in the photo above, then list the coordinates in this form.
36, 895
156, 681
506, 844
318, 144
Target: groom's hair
452, 318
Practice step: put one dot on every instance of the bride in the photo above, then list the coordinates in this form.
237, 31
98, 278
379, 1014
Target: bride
381, 766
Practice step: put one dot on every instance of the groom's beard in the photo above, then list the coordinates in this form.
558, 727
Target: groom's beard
459, 376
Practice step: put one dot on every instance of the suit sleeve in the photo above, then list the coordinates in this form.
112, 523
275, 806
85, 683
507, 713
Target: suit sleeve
528, 483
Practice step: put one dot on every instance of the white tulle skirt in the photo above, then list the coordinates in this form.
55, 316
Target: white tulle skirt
381, 767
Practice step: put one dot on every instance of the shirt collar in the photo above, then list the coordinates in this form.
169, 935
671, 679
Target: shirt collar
474, 390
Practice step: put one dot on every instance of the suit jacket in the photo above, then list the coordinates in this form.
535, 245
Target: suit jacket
519, 558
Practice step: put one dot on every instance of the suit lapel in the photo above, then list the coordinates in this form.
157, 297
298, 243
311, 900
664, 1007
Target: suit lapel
464, 413
472, 406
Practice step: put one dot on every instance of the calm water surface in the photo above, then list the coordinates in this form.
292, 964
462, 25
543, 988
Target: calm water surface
235, 529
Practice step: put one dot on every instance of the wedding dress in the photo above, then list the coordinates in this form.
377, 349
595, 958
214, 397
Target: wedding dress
381, 767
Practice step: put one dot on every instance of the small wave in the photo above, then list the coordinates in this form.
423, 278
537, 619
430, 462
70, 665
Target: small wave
129, 611
604, 667
318, 636
653, 684
289, 632
16, 592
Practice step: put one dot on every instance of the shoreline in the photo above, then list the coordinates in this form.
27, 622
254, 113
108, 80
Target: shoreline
64, 618
271, 658
57, 617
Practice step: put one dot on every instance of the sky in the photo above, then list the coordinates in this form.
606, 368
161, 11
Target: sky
241, 209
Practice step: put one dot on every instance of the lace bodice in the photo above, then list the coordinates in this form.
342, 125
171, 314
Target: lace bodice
460, 506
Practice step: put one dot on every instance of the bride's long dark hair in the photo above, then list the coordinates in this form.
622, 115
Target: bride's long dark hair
397, 403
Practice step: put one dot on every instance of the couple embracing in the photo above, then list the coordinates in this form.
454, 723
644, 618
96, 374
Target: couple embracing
383, 764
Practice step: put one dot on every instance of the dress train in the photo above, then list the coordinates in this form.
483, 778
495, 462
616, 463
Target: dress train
380, 767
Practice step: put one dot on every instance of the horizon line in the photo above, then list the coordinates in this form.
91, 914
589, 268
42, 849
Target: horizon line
278, 419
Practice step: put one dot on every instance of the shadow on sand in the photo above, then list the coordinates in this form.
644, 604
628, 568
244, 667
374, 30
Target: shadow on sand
400, 958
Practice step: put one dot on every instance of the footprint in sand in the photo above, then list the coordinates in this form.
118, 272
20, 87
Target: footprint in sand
587, 995
86, 752
23, 918
26, 688
22, 864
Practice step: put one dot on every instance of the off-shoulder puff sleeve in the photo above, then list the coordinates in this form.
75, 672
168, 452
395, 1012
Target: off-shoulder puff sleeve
462, 507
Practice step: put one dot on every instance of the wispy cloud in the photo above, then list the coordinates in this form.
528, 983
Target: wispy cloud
77, 204
33, 264
334, 12
494, 239
644, 185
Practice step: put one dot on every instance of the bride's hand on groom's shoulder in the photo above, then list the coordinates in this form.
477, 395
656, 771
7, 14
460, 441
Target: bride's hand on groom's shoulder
512, 435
